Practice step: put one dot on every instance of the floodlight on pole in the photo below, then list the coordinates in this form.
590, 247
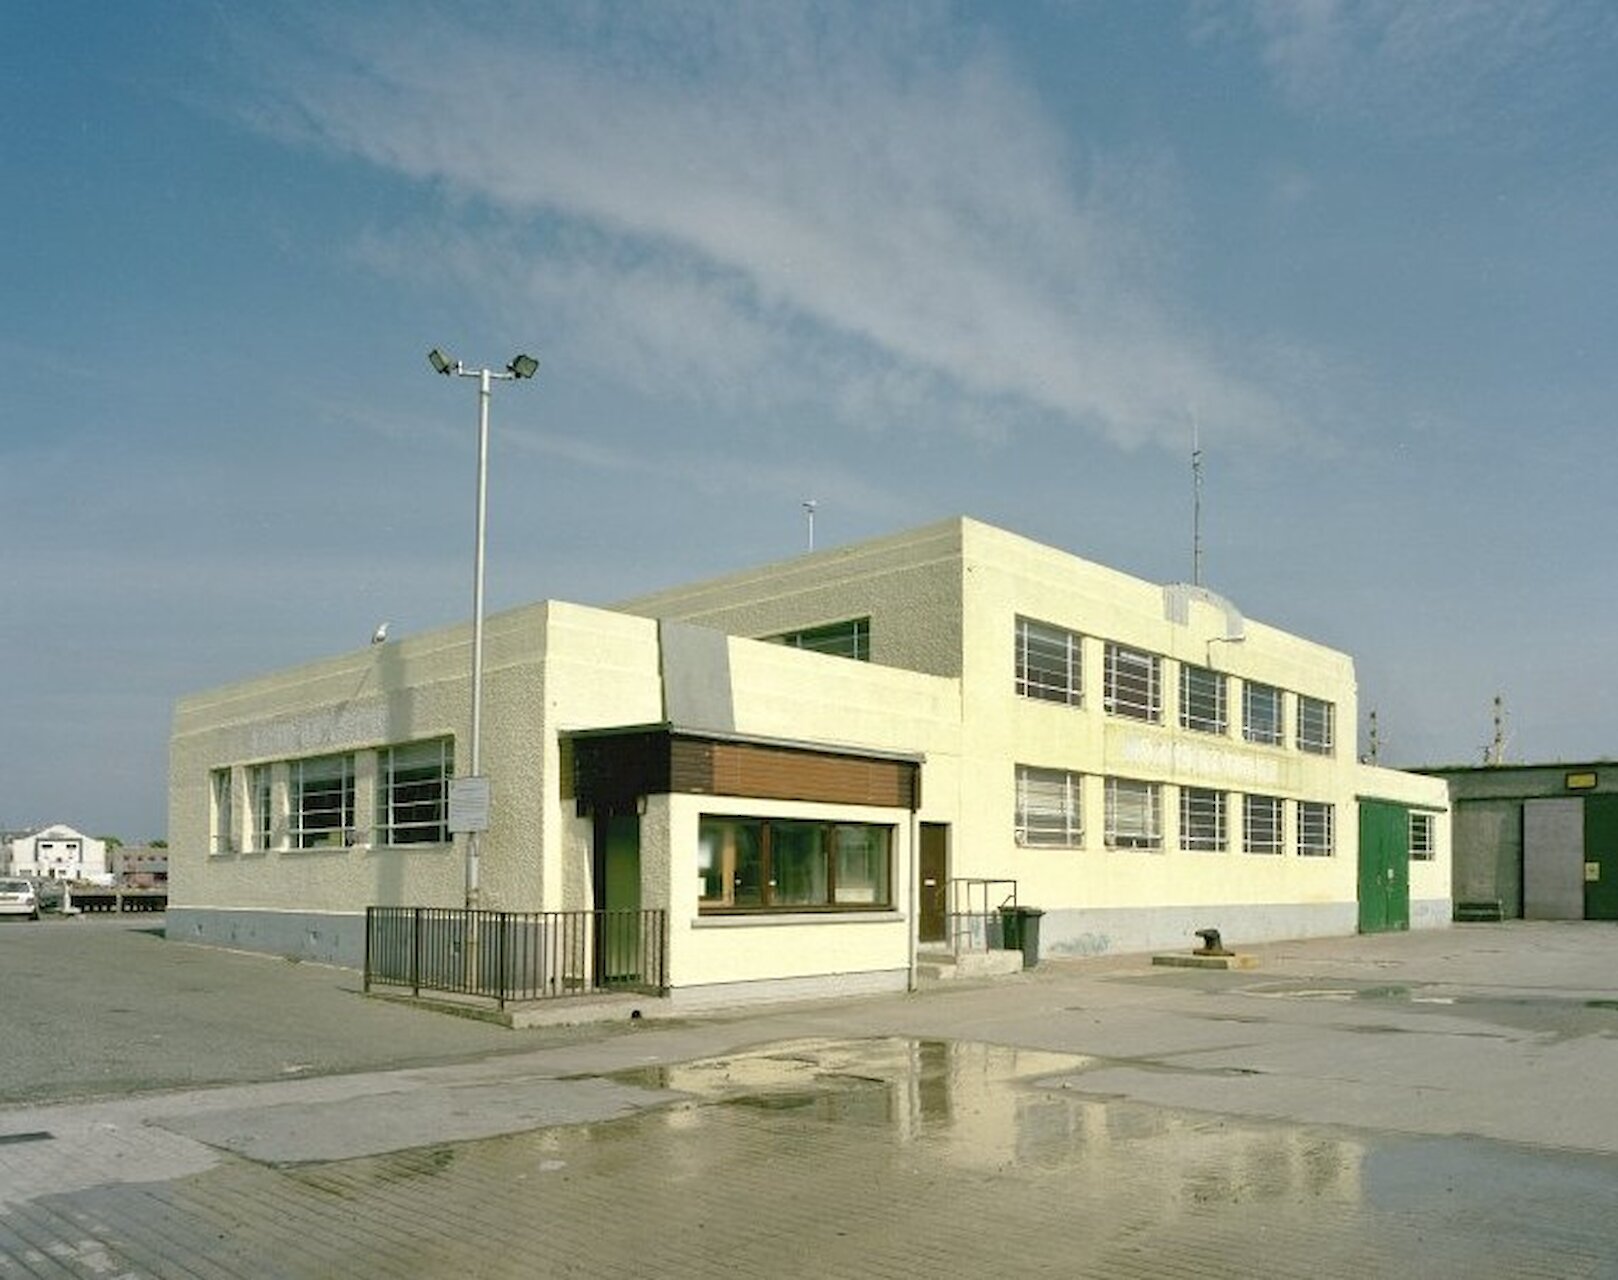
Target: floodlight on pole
520, 366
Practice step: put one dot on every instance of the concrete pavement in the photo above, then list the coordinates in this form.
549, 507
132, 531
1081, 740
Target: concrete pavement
1350, 1107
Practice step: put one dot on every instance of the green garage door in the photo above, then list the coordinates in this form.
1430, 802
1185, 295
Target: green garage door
1601, 857
1384, 866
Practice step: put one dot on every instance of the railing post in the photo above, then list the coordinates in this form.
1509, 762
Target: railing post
500, 958
367, 984
415, 952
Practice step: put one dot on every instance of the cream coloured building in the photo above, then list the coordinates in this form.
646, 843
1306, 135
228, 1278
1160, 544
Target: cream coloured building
809, 766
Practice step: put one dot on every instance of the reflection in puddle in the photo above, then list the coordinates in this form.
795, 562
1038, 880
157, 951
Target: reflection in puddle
989, 1108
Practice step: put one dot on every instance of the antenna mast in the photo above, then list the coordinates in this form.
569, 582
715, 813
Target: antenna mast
1495, 753
809, 506
1196, 504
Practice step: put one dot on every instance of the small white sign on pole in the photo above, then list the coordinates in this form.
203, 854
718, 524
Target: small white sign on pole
468, 804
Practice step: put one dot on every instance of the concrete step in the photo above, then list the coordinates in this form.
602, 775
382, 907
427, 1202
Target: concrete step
945, 966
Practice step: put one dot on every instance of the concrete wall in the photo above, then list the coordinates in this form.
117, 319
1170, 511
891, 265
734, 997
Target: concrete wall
908, 584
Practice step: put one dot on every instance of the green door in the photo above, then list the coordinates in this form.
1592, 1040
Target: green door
1601, 857
1384, 866
618, 944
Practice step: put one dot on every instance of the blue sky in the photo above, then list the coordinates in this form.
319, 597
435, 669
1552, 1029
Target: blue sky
908, 260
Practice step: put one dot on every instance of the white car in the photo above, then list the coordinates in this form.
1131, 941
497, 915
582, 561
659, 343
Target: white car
17, 898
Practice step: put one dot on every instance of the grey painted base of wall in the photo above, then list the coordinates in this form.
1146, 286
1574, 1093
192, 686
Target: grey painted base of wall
1127, 929
828, 986
329, 938
1432, 913
322, 937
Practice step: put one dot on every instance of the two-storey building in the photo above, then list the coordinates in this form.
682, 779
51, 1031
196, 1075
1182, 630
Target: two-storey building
797, 762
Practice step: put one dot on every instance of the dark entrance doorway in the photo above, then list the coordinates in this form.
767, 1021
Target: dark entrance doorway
933, 922
1384, 866
1601, 857
617, 897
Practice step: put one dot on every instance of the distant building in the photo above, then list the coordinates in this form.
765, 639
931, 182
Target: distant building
140, 867
55, 853
805, 768
1534, 841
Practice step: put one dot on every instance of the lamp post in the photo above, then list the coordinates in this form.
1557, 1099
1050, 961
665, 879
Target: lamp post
521, 366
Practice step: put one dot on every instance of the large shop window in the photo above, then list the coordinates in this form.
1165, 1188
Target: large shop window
1131, 684
1049, 663
323, 802
780, 864
412, 799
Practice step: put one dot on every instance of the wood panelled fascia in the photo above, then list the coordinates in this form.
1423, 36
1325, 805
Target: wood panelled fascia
611, 771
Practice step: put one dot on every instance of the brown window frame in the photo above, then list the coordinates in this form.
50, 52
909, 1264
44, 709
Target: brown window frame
767, 881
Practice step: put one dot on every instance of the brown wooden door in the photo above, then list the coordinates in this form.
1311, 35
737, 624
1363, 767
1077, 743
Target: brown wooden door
933, 924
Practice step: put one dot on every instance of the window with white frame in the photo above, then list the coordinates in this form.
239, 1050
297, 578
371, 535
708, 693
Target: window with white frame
222, 825
1048, 808
322, 802
1261, 824
1049, 663
412, 792
1202, 700
1131, 683
1316, 829
1261, 713
258, 801
1422, 829
1134, 818
1202, 820
1316, 721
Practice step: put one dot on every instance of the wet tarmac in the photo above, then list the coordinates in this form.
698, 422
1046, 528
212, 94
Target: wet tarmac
886, 1156
1432, 1105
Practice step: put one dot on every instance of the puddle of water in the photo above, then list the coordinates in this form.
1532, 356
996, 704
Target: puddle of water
1281, 992
993, 1108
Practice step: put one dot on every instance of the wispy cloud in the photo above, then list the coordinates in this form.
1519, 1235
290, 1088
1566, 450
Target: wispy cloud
1488, 68
760, 207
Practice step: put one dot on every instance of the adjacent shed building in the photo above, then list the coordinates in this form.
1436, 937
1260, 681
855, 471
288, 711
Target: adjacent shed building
1535, 841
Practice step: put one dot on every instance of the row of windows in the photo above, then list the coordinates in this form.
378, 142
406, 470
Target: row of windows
1050, 813
313, 807
1050, 668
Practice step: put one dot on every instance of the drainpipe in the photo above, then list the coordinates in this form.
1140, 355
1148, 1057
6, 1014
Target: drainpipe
915, 896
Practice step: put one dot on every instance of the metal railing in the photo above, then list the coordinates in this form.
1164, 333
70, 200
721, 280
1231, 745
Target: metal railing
515, 955
974, 912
